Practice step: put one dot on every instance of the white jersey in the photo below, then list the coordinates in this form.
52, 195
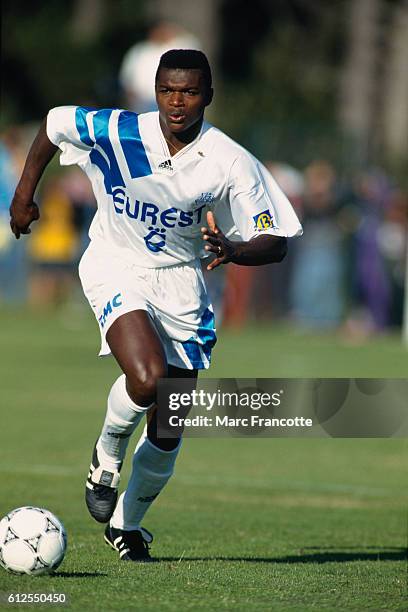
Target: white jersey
151, 206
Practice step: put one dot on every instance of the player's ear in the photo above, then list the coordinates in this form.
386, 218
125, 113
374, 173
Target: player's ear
209, 96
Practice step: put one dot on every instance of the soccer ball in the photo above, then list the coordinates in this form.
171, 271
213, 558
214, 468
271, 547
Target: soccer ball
32, 541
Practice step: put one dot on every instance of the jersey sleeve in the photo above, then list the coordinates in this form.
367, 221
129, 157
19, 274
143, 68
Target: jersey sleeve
257, 204
70, 128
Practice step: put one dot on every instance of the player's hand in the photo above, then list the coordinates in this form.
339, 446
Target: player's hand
22, 213
217, 243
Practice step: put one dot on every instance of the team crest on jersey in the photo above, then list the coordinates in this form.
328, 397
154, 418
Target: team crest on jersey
205, 198
263, 220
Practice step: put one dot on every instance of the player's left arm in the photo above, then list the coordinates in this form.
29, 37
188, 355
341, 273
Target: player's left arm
258, 251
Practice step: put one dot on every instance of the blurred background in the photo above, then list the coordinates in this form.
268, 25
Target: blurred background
318, 91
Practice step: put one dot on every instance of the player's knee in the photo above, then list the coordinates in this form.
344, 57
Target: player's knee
142, 382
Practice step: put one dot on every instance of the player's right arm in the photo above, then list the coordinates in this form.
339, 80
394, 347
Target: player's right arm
65, 128
23, 210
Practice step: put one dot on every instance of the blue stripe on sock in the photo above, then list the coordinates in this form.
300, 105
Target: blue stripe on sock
132, 145
101, 129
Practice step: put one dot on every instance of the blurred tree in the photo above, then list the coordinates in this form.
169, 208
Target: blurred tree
373, 98
87, 19
50, 57
316, 79
238, 41
358, 102
395, 114
279, 75
199, 18
278, 67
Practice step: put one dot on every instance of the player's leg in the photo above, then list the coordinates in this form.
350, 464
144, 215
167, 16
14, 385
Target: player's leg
137, 348
152, 466
188, 338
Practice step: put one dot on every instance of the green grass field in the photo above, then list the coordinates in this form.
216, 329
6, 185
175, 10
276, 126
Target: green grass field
246, 524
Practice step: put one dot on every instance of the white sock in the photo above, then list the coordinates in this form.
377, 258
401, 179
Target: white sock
122, 418
151, 469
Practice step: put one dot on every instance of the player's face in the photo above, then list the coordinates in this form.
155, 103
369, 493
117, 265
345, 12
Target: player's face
182, 96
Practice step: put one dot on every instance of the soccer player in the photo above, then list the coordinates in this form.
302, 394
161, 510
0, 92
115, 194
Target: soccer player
170, 188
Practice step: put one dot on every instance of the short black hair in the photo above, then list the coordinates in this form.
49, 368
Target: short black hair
186, 59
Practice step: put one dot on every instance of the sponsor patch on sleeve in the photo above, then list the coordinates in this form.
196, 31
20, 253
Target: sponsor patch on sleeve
263, 220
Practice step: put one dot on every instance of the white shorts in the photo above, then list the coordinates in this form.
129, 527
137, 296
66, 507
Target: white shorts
175, 298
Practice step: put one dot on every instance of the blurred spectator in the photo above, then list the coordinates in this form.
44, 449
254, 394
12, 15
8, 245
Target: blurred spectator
237, 295
262, 292
277, 278
291, 182
317, 284
370, 279
140, 63
53, 248
13, 275
392, 242
352, 254
78, 188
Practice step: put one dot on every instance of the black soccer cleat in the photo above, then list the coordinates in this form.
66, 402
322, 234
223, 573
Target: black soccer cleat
131, 545
101, 492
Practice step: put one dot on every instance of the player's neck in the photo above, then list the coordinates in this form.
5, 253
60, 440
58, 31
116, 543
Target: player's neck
177, 142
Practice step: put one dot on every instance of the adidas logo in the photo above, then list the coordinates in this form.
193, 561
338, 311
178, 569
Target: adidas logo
114, 434
166, 165
148, 498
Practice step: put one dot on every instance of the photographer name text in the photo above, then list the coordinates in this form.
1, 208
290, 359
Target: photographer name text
253, 420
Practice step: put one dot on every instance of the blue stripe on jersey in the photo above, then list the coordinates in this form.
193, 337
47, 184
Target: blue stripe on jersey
82, 127
98, 159
206, 339
132, 145
101, 129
